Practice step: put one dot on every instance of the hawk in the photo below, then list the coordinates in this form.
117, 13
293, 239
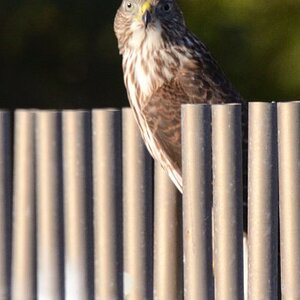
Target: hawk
164, 66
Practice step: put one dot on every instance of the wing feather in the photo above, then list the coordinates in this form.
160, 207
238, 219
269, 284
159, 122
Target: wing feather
197, 81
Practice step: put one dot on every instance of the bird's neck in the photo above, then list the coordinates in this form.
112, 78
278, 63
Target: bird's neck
146, 70
147, 40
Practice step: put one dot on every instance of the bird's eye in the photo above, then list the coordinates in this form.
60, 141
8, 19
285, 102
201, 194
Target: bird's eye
166, 7
129, 6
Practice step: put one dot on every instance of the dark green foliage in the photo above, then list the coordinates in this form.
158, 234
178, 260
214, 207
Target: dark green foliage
59, 53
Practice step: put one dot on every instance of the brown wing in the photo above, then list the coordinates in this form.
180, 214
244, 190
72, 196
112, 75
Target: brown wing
203, 81
162, 113
197, 82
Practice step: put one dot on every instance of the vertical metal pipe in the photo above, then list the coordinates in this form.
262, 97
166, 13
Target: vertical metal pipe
107, 173
5, 204
263, 202
77, 204
289, 195
49, 205
228, 202
137, 212
24, 220
167, 238
197, 201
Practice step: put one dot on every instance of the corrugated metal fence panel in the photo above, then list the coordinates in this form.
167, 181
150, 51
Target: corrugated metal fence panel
5, 203
49, 189
137, 212
289, 192
227, 201
168, 266
24, 216
263, 202
83, 215
197, 202
78, 217
107, 178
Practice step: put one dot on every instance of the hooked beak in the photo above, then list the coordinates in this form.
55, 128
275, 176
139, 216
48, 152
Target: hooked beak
146, 13
147, 18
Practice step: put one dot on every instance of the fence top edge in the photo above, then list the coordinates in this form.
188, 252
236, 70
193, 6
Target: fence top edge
4, 111
206, 104
195, 105
262, 103
76, 112
116, 109
24, 111
273, 102
126, 108
284, 103
48, 112
106, 109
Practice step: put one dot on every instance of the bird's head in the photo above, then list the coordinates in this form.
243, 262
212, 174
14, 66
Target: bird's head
150, 22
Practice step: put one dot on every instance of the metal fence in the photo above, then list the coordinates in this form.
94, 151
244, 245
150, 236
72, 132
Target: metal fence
85, 214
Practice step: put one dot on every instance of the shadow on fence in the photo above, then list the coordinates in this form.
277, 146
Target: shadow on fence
84, 212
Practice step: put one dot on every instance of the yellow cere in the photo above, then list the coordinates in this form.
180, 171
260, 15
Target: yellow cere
146, 6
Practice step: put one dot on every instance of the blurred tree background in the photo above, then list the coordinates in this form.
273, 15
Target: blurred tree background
63, 54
